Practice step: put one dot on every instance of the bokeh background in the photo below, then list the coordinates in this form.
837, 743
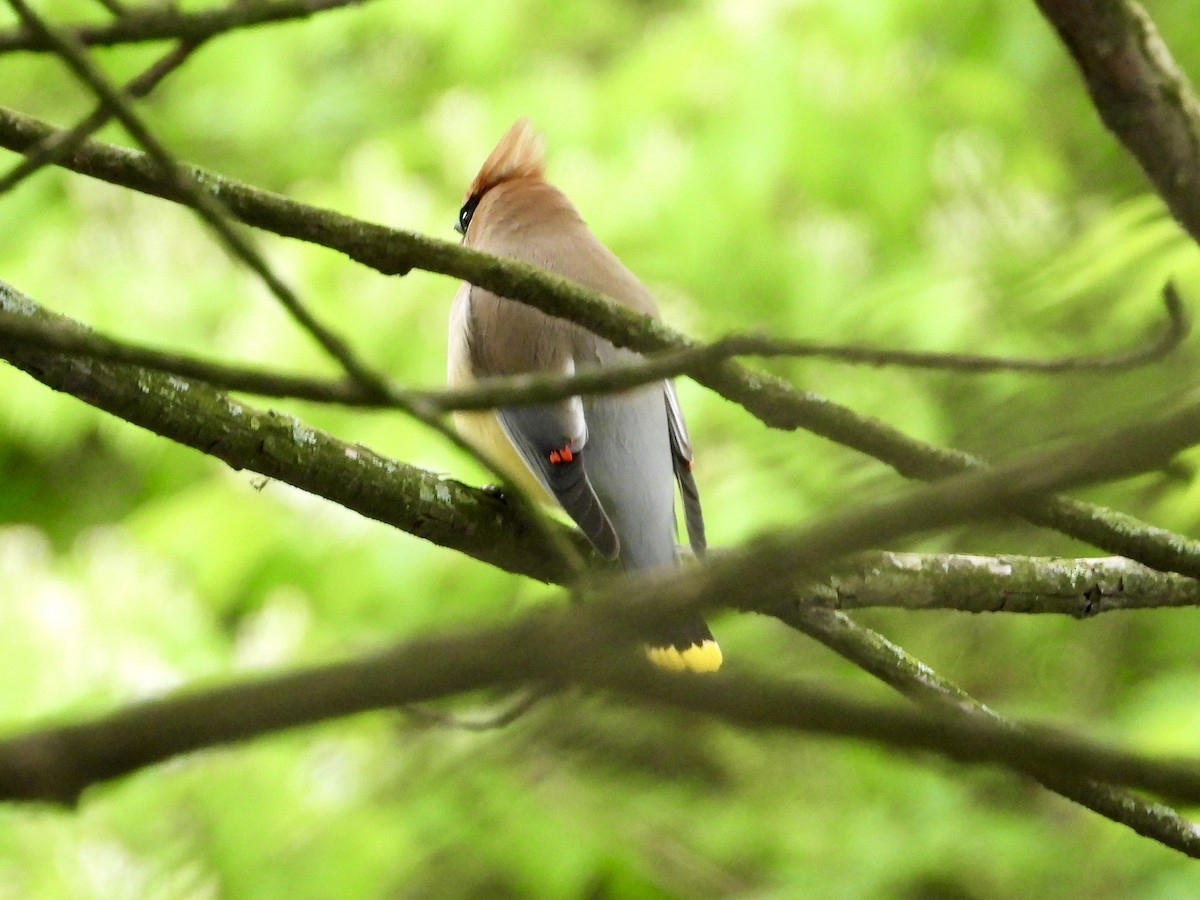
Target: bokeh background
916, 174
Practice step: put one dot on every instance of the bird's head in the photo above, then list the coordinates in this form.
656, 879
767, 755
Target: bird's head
521, 154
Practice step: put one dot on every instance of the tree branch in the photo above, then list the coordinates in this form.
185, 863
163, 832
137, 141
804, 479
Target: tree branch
522, 389
912, 581
55, 148
1140, 93
166, 23
279, 446
875, 654
126, 391
58, 764
1013, 584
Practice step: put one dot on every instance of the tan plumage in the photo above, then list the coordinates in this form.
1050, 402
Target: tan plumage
610, 461
521, 153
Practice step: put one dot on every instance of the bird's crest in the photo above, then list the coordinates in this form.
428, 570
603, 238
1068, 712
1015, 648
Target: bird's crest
520, 154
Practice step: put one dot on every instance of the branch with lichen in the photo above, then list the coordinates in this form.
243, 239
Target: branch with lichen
282, 447
1080, 588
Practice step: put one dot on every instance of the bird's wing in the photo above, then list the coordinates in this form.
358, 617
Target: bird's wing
681, 459
551, 439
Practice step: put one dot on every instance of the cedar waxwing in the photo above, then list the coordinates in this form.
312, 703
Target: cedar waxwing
612, 460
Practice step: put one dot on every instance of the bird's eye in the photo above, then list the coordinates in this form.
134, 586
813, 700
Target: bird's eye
465, 214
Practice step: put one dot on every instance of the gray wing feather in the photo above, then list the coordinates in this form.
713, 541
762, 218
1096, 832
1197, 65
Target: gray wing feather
536, 431
681, 460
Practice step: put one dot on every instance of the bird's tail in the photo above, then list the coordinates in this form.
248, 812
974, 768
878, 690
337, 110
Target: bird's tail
685, 647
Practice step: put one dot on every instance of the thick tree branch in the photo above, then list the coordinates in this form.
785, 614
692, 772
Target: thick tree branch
58, 764
281, 447
772, 400
1012, 584
1140, 93
385, 490
165, 23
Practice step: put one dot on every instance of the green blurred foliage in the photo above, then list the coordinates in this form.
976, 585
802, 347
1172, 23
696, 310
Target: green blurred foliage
912, 174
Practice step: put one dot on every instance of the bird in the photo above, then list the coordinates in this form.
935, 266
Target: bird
611, 461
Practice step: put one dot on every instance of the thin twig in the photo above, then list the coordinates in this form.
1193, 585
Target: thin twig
61, 144
209, 208
528, 389
154, 23
1177, 329
883, 659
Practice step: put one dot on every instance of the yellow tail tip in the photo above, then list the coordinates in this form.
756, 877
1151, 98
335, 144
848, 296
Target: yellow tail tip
702, 657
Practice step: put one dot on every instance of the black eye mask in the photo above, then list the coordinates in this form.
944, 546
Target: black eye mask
466, 213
